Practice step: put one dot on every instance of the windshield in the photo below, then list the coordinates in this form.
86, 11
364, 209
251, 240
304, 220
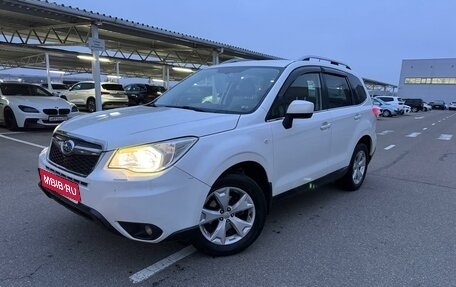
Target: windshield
24, 90
237, 90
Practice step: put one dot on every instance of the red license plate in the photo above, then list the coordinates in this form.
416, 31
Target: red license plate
60, 185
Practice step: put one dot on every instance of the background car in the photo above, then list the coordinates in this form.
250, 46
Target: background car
386, 109
29, 105
82, 94
426, 107
395, 101
438, 105
56, 89
142, 93
452, 106
415, 104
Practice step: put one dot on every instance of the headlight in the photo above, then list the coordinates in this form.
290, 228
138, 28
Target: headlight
152, 157
27, 109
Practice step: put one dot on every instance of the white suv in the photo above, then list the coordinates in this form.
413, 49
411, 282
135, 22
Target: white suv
208, 155
82, 94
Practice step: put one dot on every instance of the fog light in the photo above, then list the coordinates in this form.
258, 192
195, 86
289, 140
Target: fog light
148, 230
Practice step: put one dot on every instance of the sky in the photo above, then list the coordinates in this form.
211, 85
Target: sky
373, 37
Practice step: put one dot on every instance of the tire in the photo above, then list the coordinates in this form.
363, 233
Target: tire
357, 169
91, 106
386, 113
414, 109
10, 119
244, 208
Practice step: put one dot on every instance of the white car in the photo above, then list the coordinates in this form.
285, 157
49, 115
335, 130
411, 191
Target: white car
28, 105
393, 100
82, 94
426, 107
208, 155
452, 106
407, 109
57, 89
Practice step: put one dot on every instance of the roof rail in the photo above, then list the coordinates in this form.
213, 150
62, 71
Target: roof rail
234, 60
331, 61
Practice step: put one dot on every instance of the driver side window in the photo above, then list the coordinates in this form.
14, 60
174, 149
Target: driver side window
306, 87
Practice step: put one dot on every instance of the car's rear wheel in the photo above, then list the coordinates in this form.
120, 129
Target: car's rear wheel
386, 113
357, 169
91, 106
233, 216
10, 119
414, 109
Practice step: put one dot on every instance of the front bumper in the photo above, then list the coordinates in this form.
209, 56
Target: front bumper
171, 201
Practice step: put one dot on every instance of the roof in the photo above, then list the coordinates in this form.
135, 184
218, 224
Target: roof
30, 28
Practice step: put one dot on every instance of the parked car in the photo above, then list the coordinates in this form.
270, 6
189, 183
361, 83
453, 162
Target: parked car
415, 104
395, 101
407, 109
139, 94
387, 109
438, 105
426, 107
82, 94
28, 105
56, 89
452, 106
209, 164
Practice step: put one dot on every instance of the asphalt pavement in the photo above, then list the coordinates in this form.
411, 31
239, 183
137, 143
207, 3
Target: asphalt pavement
397, 230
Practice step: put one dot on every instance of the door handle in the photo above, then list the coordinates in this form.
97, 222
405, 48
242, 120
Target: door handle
325, 126
357, 117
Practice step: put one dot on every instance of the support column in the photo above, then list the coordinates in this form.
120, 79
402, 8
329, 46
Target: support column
96, 69
117, 72
215, 57
48, 73
166, 76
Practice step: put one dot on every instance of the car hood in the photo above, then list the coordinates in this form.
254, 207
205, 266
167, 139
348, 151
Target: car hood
142, 124
39, 102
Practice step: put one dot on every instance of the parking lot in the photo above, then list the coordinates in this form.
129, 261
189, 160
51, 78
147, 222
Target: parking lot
397, 230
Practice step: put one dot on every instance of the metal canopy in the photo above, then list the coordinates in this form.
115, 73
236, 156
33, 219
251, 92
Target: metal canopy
30, 28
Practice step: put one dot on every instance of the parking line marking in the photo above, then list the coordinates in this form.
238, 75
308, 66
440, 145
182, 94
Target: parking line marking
11, 133
161, 265
433, 124
419, 118
385, 132
425, 129
413, 135
21, 141
389, 147
445, 137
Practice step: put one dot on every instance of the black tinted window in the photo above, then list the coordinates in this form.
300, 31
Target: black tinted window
87, 86
339, 94
23, 90
112, 87
358, 90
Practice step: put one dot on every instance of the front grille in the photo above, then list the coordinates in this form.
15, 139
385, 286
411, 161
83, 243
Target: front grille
50, 111
81, 161
64, 111
53, 112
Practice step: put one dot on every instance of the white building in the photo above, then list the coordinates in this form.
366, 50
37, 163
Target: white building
428, 79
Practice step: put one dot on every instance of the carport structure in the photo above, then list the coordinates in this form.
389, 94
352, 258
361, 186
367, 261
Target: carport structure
41, 35
373, 86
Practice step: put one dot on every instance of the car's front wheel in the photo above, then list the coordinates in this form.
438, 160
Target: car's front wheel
10, 119
386, 113
91, 106
357, 169
232, 217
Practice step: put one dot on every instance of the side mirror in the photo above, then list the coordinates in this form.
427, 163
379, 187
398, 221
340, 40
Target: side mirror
297, 110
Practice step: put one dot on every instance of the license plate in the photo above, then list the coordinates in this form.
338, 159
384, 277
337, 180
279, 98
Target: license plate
57, 119
60, 185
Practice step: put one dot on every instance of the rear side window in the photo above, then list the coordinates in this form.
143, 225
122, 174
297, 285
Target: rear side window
112, 87
386, 99
359, 92
87, 86
339, 94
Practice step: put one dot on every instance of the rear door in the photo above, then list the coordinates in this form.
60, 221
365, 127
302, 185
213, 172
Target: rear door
347, 112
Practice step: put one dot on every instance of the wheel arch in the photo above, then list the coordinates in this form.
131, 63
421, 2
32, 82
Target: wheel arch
255, 171
367, 140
